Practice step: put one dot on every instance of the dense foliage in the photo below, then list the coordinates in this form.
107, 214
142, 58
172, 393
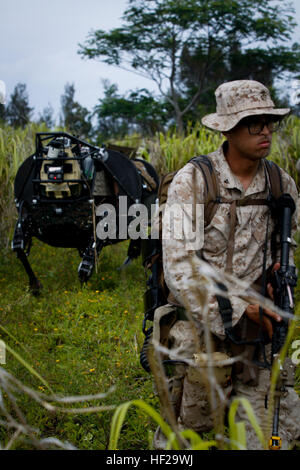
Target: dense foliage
189, 47
18, 112
74, 117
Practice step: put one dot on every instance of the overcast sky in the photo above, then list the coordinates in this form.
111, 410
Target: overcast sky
39, 42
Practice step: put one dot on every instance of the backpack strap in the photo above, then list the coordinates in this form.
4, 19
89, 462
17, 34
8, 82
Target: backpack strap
212, 199
162, 195
275, 184
274, 179
212, 193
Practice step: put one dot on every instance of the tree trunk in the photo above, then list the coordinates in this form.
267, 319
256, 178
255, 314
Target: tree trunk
179, 124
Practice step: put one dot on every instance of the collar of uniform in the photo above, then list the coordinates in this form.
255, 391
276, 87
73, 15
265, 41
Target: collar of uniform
258, 184
227, 178
230, 181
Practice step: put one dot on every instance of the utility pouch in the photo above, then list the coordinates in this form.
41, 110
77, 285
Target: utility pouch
196, 411
214, 363
164, 318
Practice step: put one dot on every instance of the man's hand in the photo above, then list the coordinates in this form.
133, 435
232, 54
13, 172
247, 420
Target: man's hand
269, 285
252, 311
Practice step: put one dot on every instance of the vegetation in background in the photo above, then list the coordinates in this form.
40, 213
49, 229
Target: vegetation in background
190, 47
81, 339
18, 112
286, 146
74, 117
47, 117
170, 151
119, 115
15, 146
166, 151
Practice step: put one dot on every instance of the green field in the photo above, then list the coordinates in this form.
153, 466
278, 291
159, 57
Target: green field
81, 340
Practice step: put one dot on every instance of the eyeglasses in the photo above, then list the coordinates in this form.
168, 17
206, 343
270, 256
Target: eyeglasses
256, 125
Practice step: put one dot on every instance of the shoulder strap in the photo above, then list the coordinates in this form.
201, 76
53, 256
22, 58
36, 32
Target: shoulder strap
212, 193
275, 178
162, 195
276, 190
164, 185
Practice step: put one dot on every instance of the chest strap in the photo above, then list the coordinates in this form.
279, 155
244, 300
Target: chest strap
247, 201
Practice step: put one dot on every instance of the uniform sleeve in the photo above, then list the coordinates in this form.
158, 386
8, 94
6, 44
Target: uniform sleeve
179, 254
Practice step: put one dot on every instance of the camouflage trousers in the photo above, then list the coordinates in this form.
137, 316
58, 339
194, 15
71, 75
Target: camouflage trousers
191, 397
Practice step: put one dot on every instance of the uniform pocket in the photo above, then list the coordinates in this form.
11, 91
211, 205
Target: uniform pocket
259, 226
260, 235
216, 237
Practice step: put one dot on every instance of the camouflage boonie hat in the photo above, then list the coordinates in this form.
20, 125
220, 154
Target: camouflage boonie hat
237, 100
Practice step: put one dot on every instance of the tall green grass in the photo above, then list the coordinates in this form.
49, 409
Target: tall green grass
286, 146
15, 146
167, 152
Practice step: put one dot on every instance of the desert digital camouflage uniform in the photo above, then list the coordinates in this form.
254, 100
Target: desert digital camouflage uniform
179, 266
249, 238
190, 397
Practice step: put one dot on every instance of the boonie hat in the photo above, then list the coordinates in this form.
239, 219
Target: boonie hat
239, 99
2, 92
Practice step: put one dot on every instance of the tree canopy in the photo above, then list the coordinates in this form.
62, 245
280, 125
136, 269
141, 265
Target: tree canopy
74, 117
120, 114
188, 47
18, 111
47, 117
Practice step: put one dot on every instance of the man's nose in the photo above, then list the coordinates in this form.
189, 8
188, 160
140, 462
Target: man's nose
265, 130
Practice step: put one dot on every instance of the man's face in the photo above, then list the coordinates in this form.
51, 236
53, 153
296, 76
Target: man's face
252, 137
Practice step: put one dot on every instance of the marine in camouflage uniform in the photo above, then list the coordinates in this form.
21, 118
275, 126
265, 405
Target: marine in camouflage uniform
233, 242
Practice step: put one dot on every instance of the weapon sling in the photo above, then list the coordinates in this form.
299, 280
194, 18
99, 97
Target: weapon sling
284, 281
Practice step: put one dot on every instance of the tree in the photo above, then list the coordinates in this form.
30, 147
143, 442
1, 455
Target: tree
108, 124
47, 117
189, 46
118, 115
74, 117
18, 112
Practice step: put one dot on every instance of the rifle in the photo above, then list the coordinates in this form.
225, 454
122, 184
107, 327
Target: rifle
284, 281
